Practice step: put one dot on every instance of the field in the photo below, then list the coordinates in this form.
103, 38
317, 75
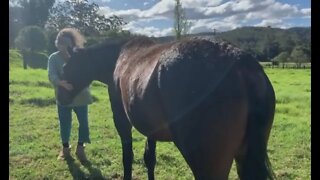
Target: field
34, 140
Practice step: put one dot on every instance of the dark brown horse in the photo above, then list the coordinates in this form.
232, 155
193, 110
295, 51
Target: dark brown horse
211, 99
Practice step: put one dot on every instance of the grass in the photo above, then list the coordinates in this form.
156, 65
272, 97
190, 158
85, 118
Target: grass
34, 140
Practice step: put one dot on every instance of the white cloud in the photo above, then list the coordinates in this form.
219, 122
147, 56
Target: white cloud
306, 11
208, 25
270, 22
208, 14
150, 31
106, 11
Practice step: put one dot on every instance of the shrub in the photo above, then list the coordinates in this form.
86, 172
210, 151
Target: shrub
31, 38
15, 58
282, 57
51, 47
35, 60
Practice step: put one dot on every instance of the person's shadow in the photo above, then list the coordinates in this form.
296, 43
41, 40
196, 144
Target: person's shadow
77, 173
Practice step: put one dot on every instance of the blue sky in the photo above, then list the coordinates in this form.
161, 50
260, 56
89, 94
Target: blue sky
154, 17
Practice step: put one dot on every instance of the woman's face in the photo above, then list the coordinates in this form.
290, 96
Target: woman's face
63, 44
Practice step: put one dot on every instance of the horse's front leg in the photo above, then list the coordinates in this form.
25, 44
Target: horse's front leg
124, 128
127, 156
150, 157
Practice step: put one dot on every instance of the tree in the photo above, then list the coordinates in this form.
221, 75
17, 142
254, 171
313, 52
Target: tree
181, 24
282, 57
29, 40
83, 16
270, 47
300, 55
15, 24
36, 11
27, 13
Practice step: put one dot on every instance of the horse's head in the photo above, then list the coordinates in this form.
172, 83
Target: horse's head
77, 71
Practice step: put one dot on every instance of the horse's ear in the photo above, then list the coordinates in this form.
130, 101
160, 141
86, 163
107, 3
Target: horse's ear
77, 49
71, 51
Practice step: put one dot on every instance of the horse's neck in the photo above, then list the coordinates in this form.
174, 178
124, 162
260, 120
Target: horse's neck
105, 60
105, 64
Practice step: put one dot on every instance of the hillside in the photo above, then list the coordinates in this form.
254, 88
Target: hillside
264, 42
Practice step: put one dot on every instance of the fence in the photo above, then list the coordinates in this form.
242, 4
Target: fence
290, 65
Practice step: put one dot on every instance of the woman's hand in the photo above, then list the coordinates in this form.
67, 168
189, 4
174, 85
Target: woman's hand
65, 85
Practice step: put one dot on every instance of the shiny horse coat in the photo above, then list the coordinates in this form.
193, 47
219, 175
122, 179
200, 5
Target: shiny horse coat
211, 99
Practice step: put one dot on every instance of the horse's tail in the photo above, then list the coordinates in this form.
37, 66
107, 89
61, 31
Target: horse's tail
256, 163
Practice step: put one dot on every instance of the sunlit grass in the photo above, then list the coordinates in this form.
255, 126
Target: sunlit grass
34, 140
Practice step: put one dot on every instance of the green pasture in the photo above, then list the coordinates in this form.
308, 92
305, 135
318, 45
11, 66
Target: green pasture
34, 141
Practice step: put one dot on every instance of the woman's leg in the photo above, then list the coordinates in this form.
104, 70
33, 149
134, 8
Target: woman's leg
82, 115
65, 120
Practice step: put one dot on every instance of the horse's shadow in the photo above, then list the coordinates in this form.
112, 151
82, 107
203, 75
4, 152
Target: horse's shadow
77, 173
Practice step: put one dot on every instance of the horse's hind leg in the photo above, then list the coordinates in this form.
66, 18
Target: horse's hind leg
209, 143
150, 157
209, 158
252, 159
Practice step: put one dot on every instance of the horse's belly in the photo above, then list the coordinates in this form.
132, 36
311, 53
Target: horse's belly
146, 113
150, 121
142, 103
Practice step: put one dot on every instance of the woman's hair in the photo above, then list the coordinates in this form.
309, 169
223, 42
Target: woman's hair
70, 37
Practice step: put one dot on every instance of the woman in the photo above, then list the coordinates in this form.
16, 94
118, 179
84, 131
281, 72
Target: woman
67, 39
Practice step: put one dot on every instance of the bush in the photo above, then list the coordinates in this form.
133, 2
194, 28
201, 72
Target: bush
281, 57
51, 41
300, 55
15, 58
35, 60
91, 40
31, 38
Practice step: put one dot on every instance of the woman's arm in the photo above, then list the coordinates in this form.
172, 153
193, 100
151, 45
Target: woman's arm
53, 71
53, 75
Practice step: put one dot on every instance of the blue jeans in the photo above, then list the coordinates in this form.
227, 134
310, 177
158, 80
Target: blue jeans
65, 120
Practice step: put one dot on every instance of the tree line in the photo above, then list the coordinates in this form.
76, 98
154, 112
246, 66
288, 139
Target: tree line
275, 45
34, 24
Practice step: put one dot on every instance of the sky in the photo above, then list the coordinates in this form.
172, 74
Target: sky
155, 17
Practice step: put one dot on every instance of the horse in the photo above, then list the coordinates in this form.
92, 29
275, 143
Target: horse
210, 98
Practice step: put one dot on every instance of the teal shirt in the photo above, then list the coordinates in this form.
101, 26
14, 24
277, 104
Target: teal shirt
55, 69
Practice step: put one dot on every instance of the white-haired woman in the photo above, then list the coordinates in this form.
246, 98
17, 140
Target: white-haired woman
67, 39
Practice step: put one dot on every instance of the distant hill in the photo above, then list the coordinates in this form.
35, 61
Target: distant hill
264, 42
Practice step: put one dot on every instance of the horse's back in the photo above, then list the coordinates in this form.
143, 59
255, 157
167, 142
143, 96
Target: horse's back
191, 72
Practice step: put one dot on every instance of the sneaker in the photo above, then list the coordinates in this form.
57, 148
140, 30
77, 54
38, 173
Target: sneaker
81, 154
64, 153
